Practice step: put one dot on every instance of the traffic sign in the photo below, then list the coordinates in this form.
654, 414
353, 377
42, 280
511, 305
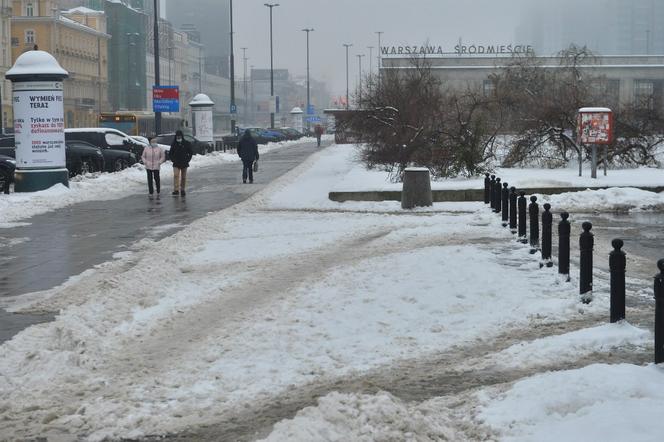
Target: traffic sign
233, 108
314, 119
165, 99
310, 109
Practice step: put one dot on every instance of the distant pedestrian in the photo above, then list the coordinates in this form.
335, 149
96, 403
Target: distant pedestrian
319, 133
153, 157
247, 149
180, 154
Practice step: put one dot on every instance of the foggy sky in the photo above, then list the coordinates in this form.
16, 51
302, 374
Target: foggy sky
440, 22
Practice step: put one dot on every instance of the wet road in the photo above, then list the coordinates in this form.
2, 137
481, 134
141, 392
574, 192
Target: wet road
58, 245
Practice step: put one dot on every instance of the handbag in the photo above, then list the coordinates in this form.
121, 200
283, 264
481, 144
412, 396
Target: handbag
256, 166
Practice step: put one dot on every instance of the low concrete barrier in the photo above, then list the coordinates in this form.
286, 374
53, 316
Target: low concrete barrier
459, 195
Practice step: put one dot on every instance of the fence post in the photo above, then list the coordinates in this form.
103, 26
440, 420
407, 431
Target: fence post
533, 211
522, 217
492, 191
547, 235
586, 243
505, 204
497, 191
513, 209
564, 230
487, 189
617, 266
659, 313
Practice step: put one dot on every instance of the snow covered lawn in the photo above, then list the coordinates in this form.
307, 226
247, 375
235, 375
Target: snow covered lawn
289, 289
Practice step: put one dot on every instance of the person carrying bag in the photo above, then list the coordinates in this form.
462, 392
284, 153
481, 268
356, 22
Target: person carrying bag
247, 149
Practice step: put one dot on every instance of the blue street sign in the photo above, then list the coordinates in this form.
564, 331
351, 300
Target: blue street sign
314, 119
233, 109
310, 110
165, 99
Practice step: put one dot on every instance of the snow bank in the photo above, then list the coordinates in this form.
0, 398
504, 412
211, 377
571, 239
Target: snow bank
612, 199
598, 402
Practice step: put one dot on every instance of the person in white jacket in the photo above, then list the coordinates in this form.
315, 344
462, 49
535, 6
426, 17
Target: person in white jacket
153, 157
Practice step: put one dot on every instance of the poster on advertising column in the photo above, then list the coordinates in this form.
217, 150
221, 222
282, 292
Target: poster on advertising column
39, 125
203, 125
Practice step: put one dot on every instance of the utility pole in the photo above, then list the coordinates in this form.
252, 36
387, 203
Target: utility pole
308, 30
370, 60
233, 109
157, 115
359, 87
244, 78
272, 102
379, 51
346, 45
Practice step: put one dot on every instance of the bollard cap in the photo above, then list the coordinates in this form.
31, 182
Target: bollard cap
486, 175
564, 216
617, 244
522, 193
497, 179
533, 198
586, 226
547, 206
660, 265
513, 189
493, 177
505, 185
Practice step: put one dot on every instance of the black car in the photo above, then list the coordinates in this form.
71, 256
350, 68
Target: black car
199, 147
81, 157
106, 138
114, 159
7, 167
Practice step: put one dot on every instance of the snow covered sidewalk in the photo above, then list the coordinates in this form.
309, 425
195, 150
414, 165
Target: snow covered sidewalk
290, 290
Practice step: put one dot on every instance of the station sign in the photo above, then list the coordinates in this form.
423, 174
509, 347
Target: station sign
165, 99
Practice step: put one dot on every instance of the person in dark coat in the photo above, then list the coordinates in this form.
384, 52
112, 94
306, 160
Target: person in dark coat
180, 154
247, 149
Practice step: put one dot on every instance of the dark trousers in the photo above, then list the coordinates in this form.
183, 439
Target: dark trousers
153, 174
247, 170
318, 139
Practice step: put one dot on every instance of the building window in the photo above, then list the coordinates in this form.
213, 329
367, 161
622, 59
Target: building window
644, 94
30, 36
489, 88
30, 9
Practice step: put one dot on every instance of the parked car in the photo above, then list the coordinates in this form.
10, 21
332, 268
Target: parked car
114, 159
290, 133
81, 157
7, 167
199, 147
260, 135
106, 138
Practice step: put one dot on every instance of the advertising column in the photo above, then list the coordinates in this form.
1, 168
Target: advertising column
201, 109
38, 105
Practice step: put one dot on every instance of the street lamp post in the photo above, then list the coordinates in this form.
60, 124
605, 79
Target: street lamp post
370, 60
157, 115
379, 59
170, 58
244, 81
272, 104
346, 45
359, 87
308, 30
233, 109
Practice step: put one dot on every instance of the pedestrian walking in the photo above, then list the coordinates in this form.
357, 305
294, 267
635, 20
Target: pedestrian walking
318, 130
247, 149
153, 157
180, 154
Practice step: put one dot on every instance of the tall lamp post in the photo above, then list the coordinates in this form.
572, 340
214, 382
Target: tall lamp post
157, 80
370, 60
233, 109
379, 59
308, 30
359, 87
346, 45
244, 81
271, 6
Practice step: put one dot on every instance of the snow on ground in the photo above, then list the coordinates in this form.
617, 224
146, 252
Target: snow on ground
282, 290
102, 187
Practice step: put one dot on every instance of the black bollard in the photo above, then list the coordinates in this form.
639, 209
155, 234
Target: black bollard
564, 230
659, 313
513, 209
487, 189
505, 204
533, 212
586, 243
617, 266
522, 217
547, 235
492, 192
498, 197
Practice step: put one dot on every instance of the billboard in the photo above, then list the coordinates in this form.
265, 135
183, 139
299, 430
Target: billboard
39, 124
595, 125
